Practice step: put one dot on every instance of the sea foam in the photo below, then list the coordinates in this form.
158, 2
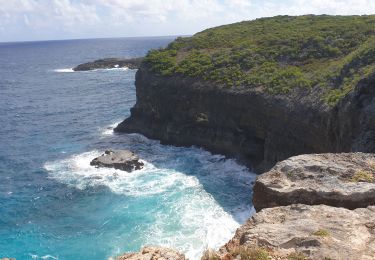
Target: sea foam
64, 70
107, 131
192, 218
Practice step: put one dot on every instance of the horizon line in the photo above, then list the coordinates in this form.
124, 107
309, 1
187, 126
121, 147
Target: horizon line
95, 38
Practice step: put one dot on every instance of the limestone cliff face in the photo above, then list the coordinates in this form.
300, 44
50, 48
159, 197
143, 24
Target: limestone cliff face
249, 124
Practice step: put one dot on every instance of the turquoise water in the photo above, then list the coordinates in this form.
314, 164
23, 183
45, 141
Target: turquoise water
54, 205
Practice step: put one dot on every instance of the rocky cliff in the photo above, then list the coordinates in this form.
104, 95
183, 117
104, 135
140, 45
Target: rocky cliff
254, 92
301, 211
253, 126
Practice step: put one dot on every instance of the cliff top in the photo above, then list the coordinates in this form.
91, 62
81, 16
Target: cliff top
277, 54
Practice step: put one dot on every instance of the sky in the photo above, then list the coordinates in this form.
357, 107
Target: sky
29, 20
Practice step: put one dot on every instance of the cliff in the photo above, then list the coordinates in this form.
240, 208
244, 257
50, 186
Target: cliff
317, 206
254, 92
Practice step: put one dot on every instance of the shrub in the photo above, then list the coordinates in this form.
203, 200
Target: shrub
297, 256
363, 176
279, 53
321, 233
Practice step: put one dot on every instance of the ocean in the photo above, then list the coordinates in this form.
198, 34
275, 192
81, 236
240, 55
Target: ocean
54, 205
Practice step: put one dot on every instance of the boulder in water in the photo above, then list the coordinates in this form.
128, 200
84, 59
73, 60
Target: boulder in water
119, 159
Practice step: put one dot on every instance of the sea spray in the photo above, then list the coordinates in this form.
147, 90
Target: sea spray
193, 209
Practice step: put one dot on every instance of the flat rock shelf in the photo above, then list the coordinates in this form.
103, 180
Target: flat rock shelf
341, 180
311, 232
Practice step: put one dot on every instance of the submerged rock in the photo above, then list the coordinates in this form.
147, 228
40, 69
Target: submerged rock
109, 63
119, 159
340, 180
312, 232
153, 253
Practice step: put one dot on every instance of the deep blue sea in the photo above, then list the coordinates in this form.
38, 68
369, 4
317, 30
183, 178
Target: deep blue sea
54, 205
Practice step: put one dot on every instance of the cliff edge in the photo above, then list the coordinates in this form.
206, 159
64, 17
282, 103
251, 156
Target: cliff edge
264, 90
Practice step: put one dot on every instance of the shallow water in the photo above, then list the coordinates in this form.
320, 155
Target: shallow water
54, 205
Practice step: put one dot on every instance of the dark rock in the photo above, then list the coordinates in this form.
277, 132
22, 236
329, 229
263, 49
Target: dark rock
109, 63
120, 159
339, 180
250, 124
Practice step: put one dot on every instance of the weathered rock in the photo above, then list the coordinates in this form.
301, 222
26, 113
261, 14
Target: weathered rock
119, 159
319, 232
250, 124
153, 253
109, 63
340, 180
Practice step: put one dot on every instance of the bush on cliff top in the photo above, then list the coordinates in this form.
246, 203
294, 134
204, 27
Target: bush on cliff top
278, 54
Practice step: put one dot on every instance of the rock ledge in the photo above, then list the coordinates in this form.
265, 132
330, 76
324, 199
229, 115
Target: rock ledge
340, 180
316, 232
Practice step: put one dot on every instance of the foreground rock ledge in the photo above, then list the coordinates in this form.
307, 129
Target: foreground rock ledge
153, 253
119, 159
340, 180
315, 232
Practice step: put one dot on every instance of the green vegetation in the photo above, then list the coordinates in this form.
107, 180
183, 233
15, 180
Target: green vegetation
363, 176
277, 54
250, 253
297, 256
321, 233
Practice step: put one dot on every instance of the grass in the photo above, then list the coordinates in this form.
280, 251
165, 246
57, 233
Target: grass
278, 54
363, 176
297, 256
321, 233
250, 253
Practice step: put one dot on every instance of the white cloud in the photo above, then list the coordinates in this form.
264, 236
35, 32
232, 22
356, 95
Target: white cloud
85, 18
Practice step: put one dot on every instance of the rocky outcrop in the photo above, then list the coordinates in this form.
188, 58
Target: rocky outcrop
309, 232
109, 63
250, 124
340, 180
153, 253
119, 159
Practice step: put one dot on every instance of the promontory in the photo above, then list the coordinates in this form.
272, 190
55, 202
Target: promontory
264, 90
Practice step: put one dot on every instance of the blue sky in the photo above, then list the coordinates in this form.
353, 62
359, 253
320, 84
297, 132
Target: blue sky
66, 19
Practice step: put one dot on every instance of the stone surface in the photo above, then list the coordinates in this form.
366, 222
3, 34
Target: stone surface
250, 124
319, 232
340, 180
153, 253
119, 159
109, 63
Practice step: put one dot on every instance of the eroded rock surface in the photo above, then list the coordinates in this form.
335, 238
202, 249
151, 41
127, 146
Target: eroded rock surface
340, 180
119, 159
109, 63
153, 253
317, 232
